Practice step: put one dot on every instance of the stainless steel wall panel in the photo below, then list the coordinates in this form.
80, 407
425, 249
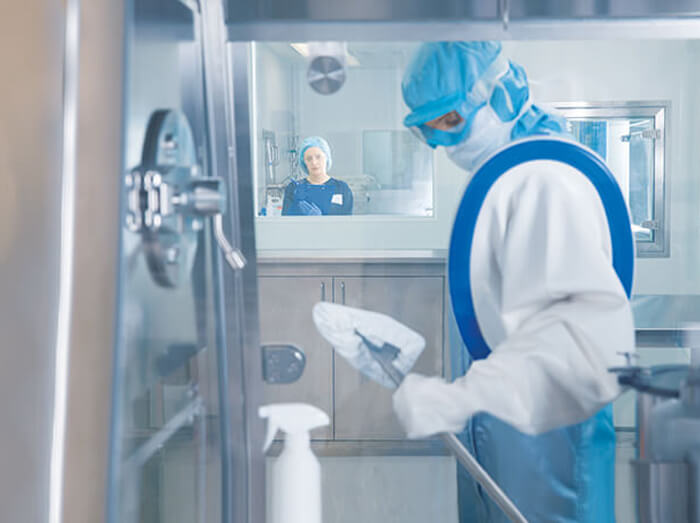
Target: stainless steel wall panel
285, 304
96, 233
359, 10
450, 10
31, 54
226, 81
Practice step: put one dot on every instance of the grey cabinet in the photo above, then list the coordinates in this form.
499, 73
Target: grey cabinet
363, 408
285, 317
360, 409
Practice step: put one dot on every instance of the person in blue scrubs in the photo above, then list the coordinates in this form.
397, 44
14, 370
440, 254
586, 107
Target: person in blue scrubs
318, 194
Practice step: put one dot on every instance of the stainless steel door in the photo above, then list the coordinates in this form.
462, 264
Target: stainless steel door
182, 424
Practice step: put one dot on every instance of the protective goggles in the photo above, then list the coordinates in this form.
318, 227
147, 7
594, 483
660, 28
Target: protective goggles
466, 105
447, 137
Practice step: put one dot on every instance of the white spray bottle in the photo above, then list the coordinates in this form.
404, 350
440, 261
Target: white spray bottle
296, 475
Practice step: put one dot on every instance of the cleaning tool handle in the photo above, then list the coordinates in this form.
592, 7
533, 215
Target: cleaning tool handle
482, 478
453, 444
464, 457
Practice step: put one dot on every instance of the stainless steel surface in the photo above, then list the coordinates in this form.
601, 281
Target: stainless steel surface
665, 320
183, 67
355, 257
662, 491
644, 405
234, 257
32, 53
186, 416
363, 409
365, 448
168, 197
455, 28
285, 306
236, 154
68, 175
502, 11
660, 111
92, 297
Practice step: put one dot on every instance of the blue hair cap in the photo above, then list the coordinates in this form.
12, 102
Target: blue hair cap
441, 74
315, 141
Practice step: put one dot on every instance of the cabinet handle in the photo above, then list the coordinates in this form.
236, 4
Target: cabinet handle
323, 291
342, 293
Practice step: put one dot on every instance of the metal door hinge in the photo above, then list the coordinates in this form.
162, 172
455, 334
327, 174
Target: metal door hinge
647, 134
169, 198
157, 195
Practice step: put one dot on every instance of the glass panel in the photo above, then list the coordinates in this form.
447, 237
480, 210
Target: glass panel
165, 413
385, 170
627, 145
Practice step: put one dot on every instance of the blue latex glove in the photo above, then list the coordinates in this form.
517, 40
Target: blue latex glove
300, 191
308, 208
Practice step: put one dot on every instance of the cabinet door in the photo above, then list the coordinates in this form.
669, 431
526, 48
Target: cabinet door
285, 317
362, 408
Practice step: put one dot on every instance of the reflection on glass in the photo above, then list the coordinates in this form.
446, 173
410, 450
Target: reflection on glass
165, 413
377, 165
399, 169
627, 145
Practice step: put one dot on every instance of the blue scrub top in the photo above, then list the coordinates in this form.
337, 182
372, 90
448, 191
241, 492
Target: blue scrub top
332, 198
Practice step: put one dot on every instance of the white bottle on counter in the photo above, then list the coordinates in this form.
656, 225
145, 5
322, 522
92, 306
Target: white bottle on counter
296, 475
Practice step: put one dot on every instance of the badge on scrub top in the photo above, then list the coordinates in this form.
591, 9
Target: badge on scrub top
337, 199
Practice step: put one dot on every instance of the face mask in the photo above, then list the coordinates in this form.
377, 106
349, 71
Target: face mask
488, 133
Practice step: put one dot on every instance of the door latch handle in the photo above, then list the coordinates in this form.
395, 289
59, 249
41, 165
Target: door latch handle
233, 256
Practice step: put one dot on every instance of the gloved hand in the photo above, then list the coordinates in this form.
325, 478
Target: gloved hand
301, 191
427, 406
308, 208
337, 324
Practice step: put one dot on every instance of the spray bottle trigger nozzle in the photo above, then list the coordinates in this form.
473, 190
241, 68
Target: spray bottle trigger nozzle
272, 428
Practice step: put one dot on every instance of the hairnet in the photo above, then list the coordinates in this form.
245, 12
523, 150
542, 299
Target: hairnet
465, 76
315, 141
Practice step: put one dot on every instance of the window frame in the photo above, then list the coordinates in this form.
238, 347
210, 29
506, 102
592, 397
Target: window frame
659, 111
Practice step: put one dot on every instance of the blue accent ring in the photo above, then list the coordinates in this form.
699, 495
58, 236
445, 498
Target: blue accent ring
570, 153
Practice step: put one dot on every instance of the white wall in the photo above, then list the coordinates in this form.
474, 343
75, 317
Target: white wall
370, 98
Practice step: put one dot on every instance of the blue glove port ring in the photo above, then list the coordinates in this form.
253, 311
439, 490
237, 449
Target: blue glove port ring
578, 157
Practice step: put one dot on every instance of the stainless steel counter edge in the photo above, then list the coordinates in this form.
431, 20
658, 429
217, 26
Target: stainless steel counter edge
342, 257
370, 448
